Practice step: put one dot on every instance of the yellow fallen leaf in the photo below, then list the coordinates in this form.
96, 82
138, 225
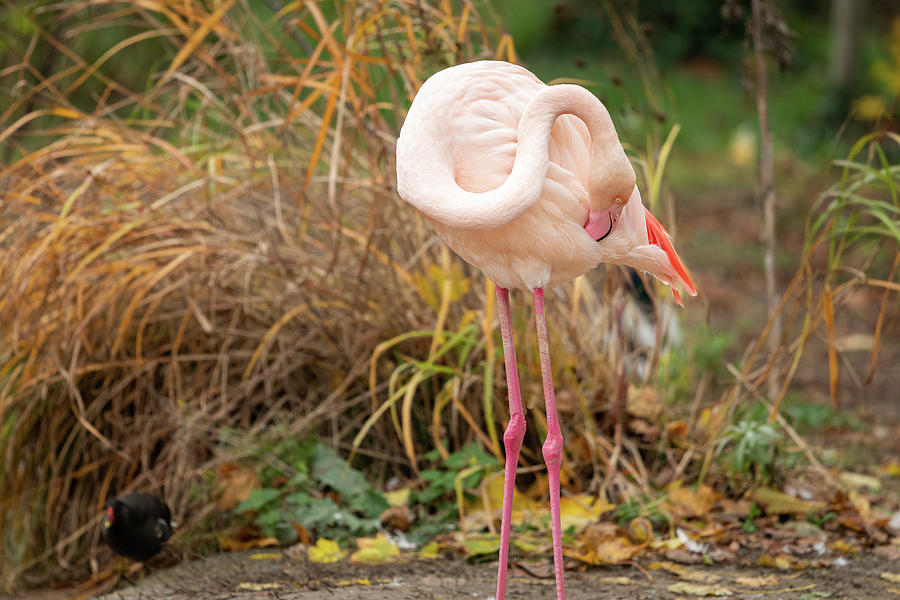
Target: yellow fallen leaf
605, 552
582, 510
326, 551
844, 546
892, 469
431, 550
861, 504
685, 502
258, 587
349, 582
696, 589
892, 577
528, 544
227, 544
616, 580
779, 503
755, 582
476, 545
858, 480
782, 561
397, 497
375, 550
265, 556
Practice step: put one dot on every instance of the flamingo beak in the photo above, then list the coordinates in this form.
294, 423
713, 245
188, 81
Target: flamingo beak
601, 223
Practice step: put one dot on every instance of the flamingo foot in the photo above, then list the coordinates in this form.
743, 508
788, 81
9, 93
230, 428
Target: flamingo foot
553, 445
512, 437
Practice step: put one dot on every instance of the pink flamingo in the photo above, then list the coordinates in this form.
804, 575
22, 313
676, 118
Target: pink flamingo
528, 183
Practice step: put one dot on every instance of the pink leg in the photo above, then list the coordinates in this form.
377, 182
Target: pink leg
512, 437
553, 445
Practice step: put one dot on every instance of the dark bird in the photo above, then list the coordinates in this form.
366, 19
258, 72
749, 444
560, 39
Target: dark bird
136, 525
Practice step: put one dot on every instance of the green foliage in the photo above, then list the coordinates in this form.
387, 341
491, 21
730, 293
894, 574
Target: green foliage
308, 498
679, 370
445, 488
749, 446
748, 525
818, 520
631, 509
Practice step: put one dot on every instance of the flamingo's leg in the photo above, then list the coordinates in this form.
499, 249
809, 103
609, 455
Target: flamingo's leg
512, 437
553, 445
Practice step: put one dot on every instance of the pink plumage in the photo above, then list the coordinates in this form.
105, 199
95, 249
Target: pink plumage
530, 184
508, 179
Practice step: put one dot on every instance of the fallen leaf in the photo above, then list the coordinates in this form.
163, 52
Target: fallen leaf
528, 544
601, 546
782, 561
582, 510
229, 544
892, 469
397, 517
265, 556
326, 551
696, 589
615, 580
431, 550
234, 485
258, 587
476, 545
858, 480
779, 503
892, 577
755, 582
685, 502
348, 582
643, 403
398, 497
844, 546
375, 550
738, 508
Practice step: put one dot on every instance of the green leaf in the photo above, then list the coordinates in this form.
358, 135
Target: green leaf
258, 499
331, 470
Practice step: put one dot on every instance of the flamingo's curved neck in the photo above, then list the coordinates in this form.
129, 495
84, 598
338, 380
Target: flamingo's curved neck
607, 156
437, 195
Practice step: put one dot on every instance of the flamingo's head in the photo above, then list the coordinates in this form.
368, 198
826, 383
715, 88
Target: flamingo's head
610, 186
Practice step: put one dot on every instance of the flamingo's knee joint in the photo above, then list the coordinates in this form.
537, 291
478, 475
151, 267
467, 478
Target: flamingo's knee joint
515, 431
552, 450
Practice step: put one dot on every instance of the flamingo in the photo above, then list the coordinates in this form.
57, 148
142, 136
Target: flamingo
528, 183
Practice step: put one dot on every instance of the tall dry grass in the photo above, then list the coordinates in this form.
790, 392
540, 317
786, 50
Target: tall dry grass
219, 249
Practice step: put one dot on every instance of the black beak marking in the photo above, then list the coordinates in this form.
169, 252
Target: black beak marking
606, 235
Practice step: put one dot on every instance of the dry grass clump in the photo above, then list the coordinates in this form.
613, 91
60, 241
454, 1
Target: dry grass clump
220, 249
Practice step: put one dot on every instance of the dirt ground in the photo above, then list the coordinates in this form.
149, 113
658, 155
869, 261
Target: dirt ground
275, 575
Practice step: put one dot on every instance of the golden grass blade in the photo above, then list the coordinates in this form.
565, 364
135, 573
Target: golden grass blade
487, 328
832, 351
406, 413
879, 323
145, 288
196, 38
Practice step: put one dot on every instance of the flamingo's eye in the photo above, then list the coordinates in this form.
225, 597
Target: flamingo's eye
618, 200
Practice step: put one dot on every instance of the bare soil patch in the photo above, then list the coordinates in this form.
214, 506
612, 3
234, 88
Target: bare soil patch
258, 575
